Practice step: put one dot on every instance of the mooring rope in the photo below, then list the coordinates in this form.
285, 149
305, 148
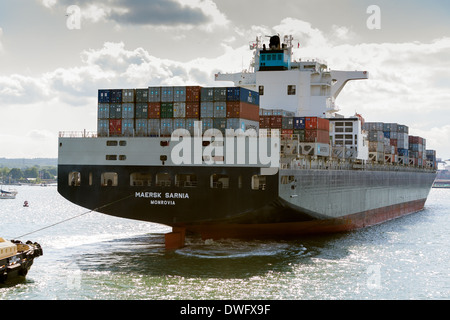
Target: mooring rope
74, 217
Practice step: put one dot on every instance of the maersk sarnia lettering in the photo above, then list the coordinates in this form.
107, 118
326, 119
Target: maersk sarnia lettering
158, 195
168, 196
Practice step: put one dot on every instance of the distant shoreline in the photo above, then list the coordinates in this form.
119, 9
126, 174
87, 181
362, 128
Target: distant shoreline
27, 162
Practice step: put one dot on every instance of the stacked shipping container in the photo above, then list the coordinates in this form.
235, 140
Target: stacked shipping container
391, 143
307, 129
158, 111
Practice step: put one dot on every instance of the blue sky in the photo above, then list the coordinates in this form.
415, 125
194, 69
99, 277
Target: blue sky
49, 74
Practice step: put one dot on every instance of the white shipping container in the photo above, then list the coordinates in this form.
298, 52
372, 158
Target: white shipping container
179, 109
127, 95
243, 124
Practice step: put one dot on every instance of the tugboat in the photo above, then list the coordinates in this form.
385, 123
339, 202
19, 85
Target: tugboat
16, 258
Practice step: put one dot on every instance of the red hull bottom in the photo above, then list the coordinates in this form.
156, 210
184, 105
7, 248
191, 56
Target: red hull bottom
294, 229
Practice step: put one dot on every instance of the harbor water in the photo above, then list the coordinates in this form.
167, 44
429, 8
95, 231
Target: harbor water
98, 257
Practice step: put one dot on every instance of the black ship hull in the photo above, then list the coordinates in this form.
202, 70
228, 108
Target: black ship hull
315, 201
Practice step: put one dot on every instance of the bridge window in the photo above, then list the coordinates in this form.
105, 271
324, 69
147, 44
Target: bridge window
109, 179
261, 90
291, 90
219, 181
140, 179
74, 179
259, 182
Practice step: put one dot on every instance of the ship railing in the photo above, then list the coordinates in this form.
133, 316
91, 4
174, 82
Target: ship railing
77, 134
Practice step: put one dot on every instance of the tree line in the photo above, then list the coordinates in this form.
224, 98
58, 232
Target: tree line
36, 173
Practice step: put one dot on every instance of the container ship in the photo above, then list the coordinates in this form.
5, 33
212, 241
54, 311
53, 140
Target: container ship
268, 157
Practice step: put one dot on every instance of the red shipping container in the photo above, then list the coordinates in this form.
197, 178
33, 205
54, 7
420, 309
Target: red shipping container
317, 123
310, 123
393, 142
243, 110
264, 122
318, 136
193, 93
115, 127
193, 110
276, 122
154, 110
233, 109
287, 133
414, 139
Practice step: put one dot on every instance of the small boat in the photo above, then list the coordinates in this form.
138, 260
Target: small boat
25, 204
11, 194
16, 258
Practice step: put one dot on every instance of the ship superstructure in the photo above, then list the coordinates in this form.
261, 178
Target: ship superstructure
269, 157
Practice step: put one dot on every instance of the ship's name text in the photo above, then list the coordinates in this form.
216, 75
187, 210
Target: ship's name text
159, 195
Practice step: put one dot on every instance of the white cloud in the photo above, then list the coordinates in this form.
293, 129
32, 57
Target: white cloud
49, 3
209, 9
159, 14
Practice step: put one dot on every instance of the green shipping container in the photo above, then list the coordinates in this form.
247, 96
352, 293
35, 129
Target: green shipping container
300, 133
166, 110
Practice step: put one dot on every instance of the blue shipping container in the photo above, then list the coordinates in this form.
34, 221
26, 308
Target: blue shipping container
207, 94
141, 127
243, 95
116, 96
299, 122
127, 110
207, 123
166, 126
220, 109
206, 109
154, 94
103, 111
104, 96
402, 152
166, 94
128, 127
179, 94
154, 127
